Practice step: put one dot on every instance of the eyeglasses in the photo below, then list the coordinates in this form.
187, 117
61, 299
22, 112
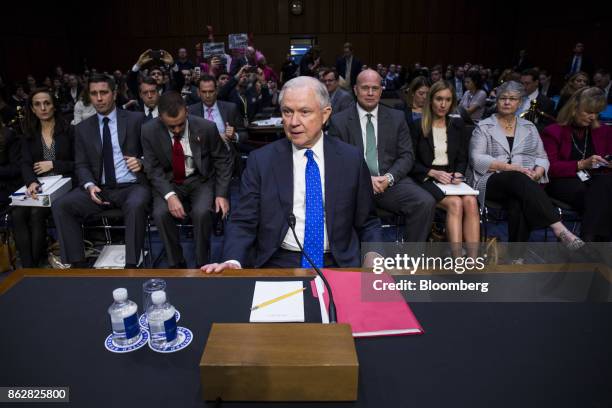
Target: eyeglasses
509, 99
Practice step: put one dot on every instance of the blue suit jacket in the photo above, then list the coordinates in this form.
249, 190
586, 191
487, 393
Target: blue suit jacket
266, 200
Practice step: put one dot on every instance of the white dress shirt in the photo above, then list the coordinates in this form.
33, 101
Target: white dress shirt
154, 112
527, 104
299, 194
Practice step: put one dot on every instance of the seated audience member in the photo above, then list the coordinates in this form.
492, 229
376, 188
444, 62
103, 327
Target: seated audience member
340, 99
311, 61
272, 102
440, 147
546, 86
190, 170
288, 69
10, 165
7, 112
149, 98
416, 97
458, 82
383, 138
435, 74
530, 79
47, 149
601, 79
166, 81
83, 108
108, 171
182, 60
574, 83
19, 97
225, 115
579, 150
189, 91
508, 164
474, 98
314, 181
243, 92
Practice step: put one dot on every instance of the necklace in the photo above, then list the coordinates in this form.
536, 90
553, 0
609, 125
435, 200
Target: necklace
508, 125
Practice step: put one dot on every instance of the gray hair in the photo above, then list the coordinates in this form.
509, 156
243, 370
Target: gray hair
510, 87
307, 82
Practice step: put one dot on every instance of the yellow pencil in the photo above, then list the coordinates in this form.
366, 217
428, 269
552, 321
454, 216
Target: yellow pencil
276, 299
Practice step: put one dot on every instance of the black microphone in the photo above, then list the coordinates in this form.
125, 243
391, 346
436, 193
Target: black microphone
332, 305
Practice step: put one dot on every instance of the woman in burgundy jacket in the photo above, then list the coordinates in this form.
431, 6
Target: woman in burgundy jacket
580, 173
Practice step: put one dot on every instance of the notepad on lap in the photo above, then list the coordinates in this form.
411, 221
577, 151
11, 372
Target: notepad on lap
290, 309
456, 189
370, 313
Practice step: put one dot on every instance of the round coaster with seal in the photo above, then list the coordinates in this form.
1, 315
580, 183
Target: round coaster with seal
142, 320
110, 345
185, 336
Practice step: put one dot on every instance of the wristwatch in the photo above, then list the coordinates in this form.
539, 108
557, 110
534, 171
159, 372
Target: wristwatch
390, 179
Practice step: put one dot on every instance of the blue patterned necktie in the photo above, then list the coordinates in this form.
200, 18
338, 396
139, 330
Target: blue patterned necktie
313, 231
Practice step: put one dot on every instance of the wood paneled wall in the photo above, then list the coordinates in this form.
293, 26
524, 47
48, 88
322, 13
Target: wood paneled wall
112, 34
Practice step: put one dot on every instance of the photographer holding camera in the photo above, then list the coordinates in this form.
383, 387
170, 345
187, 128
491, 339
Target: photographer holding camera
157, 62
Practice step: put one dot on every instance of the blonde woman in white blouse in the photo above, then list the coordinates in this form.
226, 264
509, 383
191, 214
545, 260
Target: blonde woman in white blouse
440, 147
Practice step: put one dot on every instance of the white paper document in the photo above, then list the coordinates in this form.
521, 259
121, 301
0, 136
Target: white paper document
457, 189
290, 309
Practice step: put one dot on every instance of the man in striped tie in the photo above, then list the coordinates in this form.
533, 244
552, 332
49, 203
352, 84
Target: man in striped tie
320, 184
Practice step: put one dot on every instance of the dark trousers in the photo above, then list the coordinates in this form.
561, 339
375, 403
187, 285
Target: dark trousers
30, 225
283, 258
197, 200
414, 203
73, 208
592, 199
526, 203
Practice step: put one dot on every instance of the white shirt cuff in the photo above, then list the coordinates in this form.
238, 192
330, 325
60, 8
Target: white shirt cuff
87, 185
136, 68
233, 261
170, 194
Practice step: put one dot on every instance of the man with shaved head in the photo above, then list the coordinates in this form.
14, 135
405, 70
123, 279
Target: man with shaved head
319, 184
382, 136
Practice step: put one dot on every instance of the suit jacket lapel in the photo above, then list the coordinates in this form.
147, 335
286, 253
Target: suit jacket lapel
222, 112
283, 172
333, 167
355, 129
196, 147
97, 139
383, 122
498, 134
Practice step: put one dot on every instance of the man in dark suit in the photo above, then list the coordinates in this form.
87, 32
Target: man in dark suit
601, 79
189, 167
321, 181
383, 138
579, 62
108, 170
530, 78
149, 98
176, 82
348, 66
340, 99
224, 114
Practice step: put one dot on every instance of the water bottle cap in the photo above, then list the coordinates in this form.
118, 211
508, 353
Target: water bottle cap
158, 297
120, 294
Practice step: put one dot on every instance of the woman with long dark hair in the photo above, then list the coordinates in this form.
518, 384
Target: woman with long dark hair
47, 149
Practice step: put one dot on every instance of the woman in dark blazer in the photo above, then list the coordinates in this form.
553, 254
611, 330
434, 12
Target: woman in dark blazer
440, 147
47, 149
578, 147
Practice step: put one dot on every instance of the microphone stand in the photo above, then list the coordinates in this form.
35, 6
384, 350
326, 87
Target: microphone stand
332, 305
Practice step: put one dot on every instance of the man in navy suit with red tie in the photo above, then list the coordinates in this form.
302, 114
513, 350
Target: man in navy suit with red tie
322, 181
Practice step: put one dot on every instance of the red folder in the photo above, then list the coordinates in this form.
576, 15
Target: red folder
369, 312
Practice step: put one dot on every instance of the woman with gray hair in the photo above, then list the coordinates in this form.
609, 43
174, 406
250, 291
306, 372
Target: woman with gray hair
508, 164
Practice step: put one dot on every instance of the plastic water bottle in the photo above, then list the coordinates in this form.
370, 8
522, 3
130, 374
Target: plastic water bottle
124, 318
162, 321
